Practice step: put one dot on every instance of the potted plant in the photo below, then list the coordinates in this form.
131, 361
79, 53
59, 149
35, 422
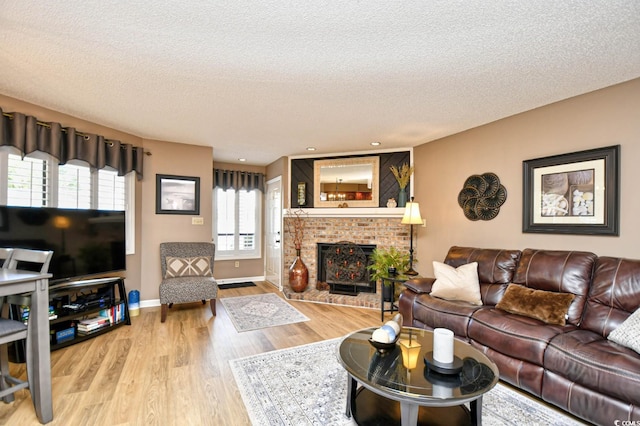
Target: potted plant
402, 175
381, 260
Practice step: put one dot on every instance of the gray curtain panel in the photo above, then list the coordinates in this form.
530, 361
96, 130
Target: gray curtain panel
65, 143
237, 180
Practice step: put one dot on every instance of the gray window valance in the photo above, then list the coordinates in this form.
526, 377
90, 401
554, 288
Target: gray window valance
237, 180
27, 134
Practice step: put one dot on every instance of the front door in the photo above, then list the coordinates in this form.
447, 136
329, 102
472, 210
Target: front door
273, 232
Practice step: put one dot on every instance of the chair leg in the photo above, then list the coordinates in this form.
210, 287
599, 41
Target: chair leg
212, 303
4, 370
163, 312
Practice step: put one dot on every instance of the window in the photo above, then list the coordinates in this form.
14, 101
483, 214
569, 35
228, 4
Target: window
37, 181
74, 187
111, 190
237, 223
28, 181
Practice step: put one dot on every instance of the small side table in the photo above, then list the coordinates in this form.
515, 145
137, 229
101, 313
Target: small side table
392, 280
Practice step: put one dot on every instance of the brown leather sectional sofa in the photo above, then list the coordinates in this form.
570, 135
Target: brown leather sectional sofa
573, 366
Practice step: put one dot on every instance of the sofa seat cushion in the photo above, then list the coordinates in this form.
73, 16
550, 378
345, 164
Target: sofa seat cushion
594, 362
435, 312
517, 336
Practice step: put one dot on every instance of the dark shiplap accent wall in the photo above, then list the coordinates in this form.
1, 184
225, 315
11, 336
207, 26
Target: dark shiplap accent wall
302, 171
388, 185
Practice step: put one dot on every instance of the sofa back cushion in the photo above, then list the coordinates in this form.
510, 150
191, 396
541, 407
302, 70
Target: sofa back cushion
560, 271
614, 294
495, 268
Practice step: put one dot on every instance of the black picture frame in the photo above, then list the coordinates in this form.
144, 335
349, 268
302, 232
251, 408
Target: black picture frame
177, 194
576, 193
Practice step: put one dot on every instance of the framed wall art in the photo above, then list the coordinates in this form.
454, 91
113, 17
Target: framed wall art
576, 193
302, 190
177, 195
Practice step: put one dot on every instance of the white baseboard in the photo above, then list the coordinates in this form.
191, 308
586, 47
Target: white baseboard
239, 280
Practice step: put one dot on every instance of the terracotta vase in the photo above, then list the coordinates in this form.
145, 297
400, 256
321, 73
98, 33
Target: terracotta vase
298, 274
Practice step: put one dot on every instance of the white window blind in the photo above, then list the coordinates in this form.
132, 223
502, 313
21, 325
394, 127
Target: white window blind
74, 187
237, 223
111, 190
247, 220
28, 181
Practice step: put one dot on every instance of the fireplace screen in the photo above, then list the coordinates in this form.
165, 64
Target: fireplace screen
343, 266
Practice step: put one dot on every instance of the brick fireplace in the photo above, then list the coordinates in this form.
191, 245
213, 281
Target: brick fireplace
381, 232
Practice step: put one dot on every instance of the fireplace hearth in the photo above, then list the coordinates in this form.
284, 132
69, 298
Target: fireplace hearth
342, 268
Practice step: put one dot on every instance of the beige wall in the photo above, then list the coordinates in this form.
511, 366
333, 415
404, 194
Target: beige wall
606, 117
172, 159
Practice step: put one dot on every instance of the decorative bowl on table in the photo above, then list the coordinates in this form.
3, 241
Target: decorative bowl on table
383, 347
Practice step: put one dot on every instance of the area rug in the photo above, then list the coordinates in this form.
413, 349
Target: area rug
306, 385
260, 311
236, 285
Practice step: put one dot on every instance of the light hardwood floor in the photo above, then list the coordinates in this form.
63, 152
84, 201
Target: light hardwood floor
176, 373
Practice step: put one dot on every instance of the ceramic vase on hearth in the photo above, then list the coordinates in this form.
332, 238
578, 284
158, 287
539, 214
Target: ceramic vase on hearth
298, 274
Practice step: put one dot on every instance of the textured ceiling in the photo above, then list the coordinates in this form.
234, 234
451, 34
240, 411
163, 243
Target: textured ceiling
260, 80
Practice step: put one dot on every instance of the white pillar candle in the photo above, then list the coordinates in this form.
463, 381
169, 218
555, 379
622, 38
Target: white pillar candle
443, 345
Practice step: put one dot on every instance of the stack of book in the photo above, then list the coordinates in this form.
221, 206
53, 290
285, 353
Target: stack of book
90, 325
115, 313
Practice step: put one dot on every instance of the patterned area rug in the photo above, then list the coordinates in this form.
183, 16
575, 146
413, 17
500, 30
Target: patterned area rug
260, 311
306, 385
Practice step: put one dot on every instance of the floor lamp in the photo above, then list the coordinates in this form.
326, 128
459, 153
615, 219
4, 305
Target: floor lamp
411, 217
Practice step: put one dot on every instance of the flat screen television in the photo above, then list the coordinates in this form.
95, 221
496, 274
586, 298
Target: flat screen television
85, 243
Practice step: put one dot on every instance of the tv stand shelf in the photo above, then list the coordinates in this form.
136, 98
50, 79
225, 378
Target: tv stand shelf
74, 301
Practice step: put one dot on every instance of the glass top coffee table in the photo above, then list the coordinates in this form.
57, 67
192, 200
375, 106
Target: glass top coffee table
391, 393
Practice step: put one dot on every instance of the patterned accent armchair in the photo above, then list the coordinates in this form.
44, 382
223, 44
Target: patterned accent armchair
187, 274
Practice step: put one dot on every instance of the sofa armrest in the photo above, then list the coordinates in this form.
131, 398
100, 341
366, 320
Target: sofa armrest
420, 285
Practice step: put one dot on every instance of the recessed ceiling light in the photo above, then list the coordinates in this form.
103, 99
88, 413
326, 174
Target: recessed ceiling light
376, 143
242, 159
311, 148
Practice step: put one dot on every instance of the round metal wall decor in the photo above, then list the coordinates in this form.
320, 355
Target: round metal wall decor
482, 196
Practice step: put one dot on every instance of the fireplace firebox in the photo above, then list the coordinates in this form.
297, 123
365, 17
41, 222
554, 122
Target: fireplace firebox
343, 268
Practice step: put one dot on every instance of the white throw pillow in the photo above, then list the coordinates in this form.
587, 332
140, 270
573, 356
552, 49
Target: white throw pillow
628, 333
459, 283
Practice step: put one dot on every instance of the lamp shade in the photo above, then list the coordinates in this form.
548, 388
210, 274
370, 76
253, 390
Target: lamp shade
412, 214
410, 353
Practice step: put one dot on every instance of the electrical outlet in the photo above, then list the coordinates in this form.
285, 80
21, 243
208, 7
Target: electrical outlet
197, 221
424, 223
237, 264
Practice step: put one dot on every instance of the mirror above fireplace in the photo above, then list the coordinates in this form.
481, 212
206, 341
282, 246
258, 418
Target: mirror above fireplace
354, 181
